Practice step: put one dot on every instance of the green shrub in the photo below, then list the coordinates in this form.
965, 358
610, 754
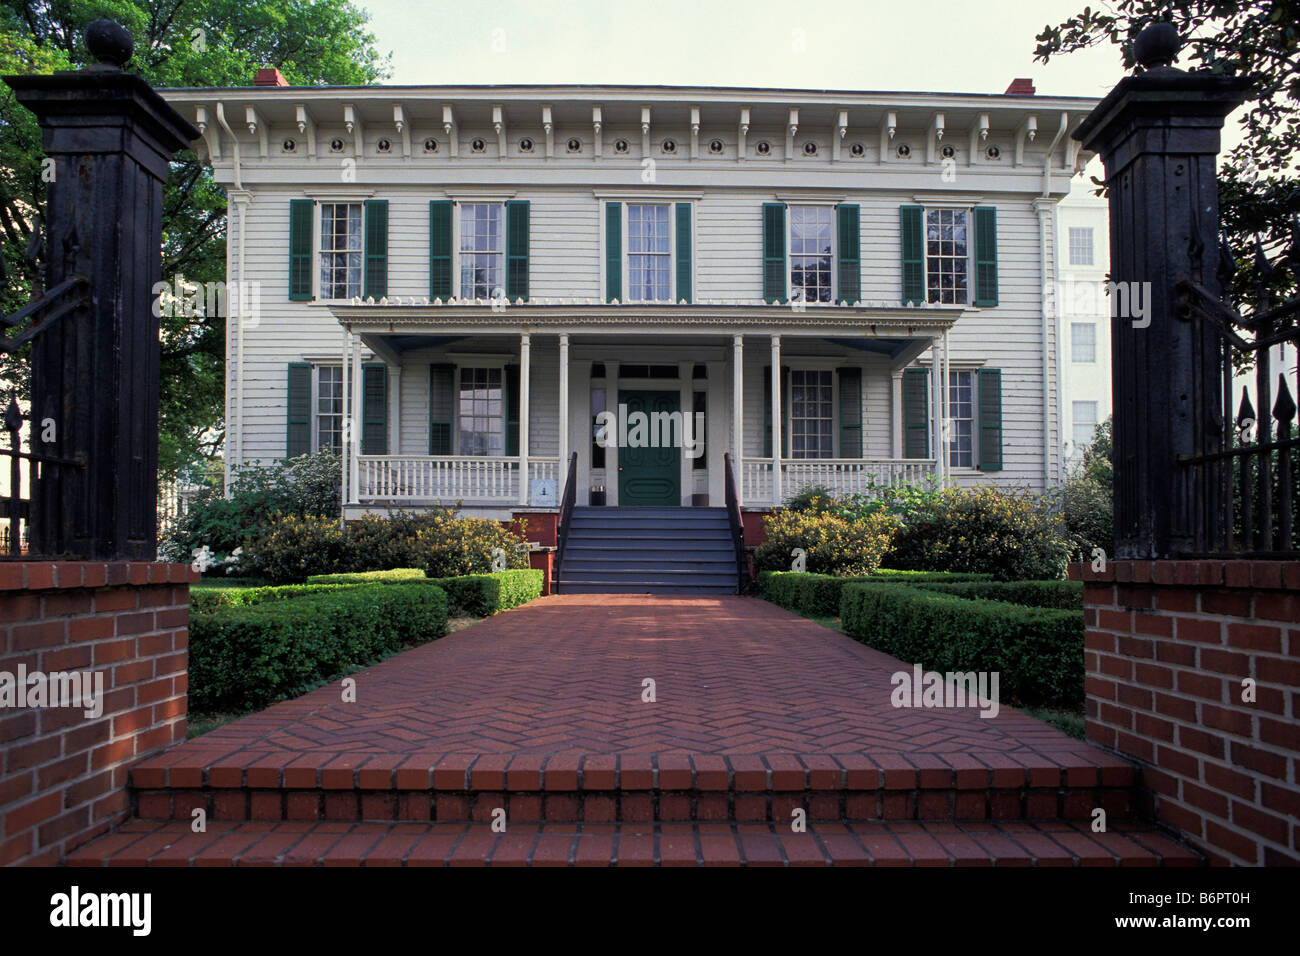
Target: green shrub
292, 548
368, 577
1061, 595
1037, 652
818, 595
212, 598
246, 657
833, 544
893, 575
1014, 536
480, 595
438, 541
1088, 510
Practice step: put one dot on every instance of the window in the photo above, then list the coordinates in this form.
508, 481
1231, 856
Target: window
340, 250
329, 408
961, 415
1085, 424
947, 255
812, 422
482, 249
811, 253
1080, 245
1083, 342
481, 408
649, 260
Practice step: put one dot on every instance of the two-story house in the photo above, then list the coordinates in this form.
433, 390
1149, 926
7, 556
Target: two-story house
449, 285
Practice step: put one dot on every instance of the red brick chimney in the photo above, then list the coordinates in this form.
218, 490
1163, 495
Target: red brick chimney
270, 76
1021, 86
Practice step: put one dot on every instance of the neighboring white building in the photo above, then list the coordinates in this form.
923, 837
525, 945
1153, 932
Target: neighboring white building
484, 269
1083, 235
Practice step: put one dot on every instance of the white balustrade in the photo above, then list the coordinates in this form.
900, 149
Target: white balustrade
842, 476
427, 479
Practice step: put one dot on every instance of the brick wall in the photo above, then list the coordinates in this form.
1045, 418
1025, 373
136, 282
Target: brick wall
1168, 645
65, 774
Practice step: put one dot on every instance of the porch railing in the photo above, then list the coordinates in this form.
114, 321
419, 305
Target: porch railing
428, 479
843, 476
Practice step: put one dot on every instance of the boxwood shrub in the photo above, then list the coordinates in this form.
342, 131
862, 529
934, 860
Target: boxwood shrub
1037, 652
214, 598
369, 577
248, 656
818, 595
480, 595
1062, 595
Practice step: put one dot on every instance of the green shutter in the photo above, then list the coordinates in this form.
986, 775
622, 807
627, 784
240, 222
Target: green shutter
512, 409
297, 439
683, 252
916, 413
376, 249
774, 270
850, 253
301, 215
986, 256
517, 211
990, 419
374, 409
441, 401
850, 412
613, 251
440, 250
912, 232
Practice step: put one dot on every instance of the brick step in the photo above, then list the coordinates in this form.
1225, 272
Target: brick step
629, 788
144, 843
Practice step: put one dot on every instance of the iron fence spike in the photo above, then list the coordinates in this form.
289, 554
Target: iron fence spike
1284, 408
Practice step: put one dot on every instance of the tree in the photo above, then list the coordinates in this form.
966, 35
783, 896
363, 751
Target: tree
1259, 195
178, 43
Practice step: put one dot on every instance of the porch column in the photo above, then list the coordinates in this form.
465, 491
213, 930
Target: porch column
944, 416
394, 409
564, 415
896, 410
353, 420
345, 477
936, 423
738, 413
776, 420
524, 375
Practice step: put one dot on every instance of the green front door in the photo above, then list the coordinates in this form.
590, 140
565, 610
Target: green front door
648, 475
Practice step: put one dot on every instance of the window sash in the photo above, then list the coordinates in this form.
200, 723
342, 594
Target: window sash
341, 250
327, 409
812, 413
948, 249
961, 416
1084, 418
480, 411
481, 249
648, 255
811, 255
1081, 246
1083, 342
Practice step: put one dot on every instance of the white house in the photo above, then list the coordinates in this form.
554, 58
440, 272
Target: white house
483, 270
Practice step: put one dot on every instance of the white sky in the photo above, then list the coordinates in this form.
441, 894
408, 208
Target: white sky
905, 45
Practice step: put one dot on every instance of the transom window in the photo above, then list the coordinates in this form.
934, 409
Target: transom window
947, 256
1080, 245
329, 408
811, 251
482, 249
649, 257
340, 250
961, 415
481, 407
812, 416
1084, 415
1083, 342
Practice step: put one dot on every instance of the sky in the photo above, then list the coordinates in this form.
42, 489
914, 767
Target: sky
904, 45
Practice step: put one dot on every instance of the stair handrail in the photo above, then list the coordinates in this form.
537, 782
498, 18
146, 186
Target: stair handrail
737, 522
566, 509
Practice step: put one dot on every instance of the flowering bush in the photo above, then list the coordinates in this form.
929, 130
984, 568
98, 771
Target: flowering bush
833, 543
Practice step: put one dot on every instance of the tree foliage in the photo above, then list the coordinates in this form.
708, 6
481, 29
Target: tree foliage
178, 43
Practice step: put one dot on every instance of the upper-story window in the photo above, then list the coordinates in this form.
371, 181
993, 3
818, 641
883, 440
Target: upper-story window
482, 249
811, 253
947, 256
1083, 342
340, 250
649, 253
1080, 245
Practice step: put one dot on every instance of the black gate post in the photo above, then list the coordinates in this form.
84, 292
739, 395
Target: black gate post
95, 371
1158, 134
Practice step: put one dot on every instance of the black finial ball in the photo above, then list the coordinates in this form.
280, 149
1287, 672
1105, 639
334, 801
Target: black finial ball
109, 42
1157, 45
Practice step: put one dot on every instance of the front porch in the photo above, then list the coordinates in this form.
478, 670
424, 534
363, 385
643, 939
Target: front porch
483, 408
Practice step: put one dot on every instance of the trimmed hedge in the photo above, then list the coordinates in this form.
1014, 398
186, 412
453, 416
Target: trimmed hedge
818, 595
1037, 652
1060, 595
215, 598
248, 656
481, 595
369, 577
